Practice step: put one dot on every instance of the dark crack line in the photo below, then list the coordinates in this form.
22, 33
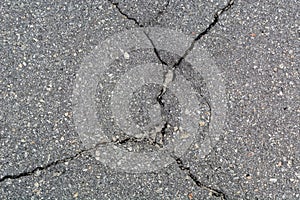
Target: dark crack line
216, 19
206, 31
54, 163
179, 162
160, 13
135, 140
215, 192
41, 168
163, 132
125, 15
162, 91
199, 36
183, 167
159, 97
155, 49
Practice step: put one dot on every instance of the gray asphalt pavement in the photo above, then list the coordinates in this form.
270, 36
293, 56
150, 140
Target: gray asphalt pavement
169, 99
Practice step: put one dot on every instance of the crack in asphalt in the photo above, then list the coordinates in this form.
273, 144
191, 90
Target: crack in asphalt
181, 165
160, 13
54, 163
159, 97
41, 168
129, 139
166, 81
198, 37
206, 31
60, 161
125, 15
214, 192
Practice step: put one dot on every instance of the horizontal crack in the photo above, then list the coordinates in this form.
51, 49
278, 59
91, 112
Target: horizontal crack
215, 192
131, 139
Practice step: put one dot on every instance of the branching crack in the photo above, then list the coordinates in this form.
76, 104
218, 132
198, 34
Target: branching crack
170, 74
168, 77
214, 192
167, 80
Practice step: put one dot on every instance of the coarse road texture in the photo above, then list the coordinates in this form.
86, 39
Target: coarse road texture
254, 43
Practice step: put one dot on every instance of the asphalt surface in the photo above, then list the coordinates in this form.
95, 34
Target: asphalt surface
49, 148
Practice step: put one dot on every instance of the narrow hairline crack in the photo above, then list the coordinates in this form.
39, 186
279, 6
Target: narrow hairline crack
161, 12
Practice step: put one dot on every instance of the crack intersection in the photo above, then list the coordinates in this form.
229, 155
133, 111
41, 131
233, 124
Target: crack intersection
168, 77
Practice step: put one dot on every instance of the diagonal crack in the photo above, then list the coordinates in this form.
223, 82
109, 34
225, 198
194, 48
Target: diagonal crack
125, 15
214, 192
155, 49
41, 168
60, 161
160, 13
206, 31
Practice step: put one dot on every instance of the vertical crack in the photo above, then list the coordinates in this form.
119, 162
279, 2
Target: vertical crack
168, 77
